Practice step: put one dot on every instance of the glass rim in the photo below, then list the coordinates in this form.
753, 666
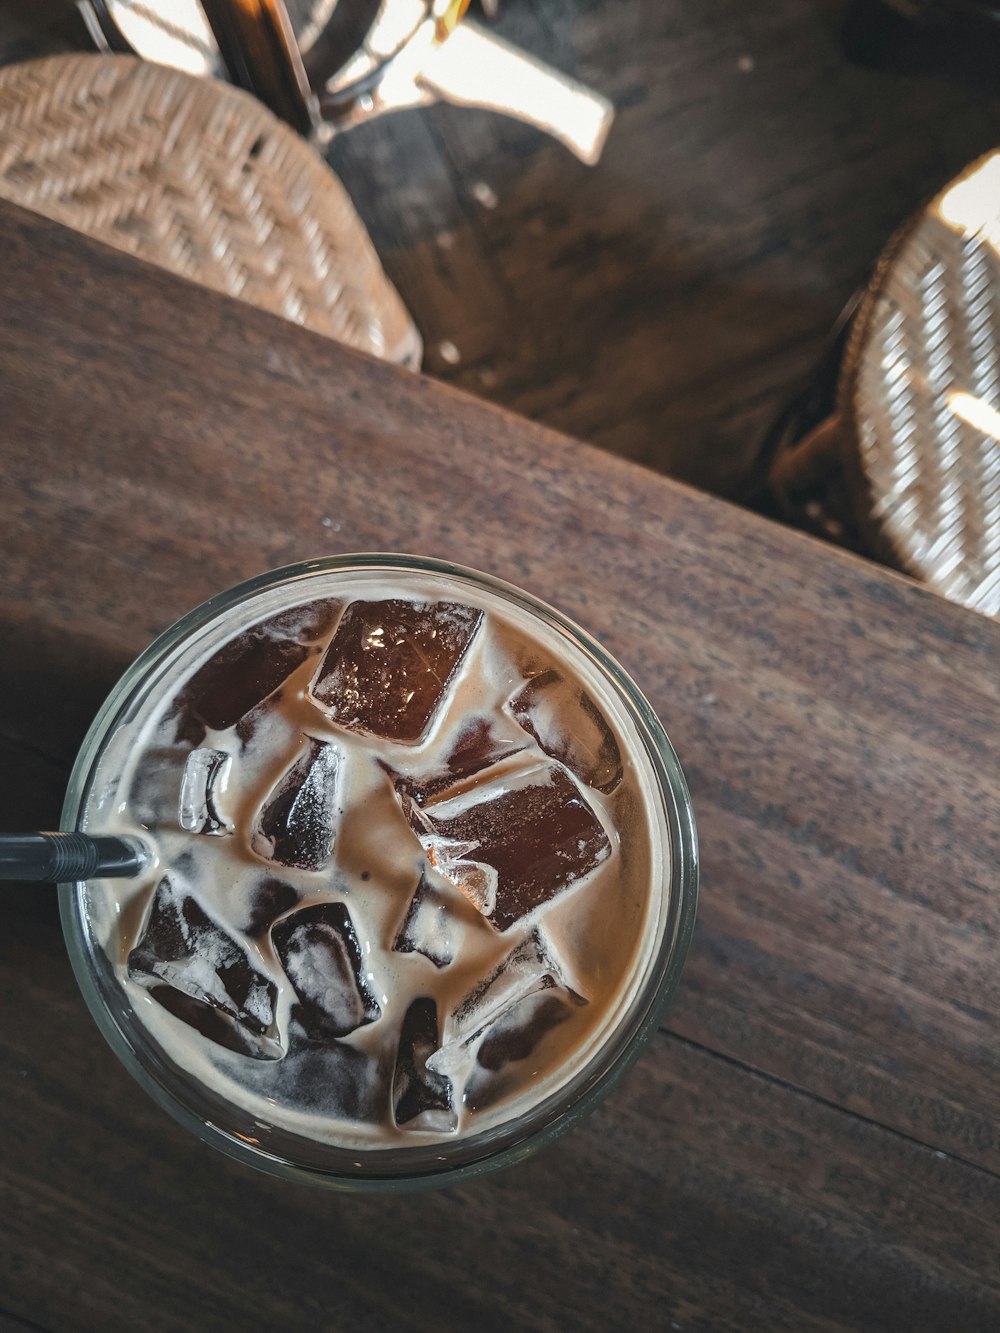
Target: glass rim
570, 1101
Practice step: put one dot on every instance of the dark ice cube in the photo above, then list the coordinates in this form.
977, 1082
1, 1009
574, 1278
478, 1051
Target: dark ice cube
298, 823
421, 1099
570, 728
476, 749
485, 1088
319, 950
519, 1032
197, 970
514, 844
267, 900
331, 1079
427, 927
250, 667
389, 665
502, 1008
514, 1037
206, 773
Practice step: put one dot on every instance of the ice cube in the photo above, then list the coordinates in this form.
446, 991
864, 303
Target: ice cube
570, 728
250, 667
176, 787
514, 843
514, 1037
427, 927
478, 747
206, 773
499, 1005
267, 900
298, 823
389, 665
520, 1031
331, 1079
197, 970
319, 950
421, 1098
155, 791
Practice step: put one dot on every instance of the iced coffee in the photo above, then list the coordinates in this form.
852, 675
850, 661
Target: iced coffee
412, 864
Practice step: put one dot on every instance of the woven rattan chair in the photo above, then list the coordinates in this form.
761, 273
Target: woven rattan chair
199, 178
908, 465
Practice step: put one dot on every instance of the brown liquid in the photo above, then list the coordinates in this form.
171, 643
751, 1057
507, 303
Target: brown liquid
407, 874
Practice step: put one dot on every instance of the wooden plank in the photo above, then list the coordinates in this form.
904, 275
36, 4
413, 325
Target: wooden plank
699, 1197
840, 725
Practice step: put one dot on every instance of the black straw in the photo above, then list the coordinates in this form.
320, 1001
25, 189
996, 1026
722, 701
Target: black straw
61, 858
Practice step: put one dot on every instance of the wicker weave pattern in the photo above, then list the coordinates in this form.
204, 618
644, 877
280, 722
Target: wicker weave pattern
201, 179
929, 335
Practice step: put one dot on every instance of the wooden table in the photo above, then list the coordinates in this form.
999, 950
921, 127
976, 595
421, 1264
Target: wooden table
810, 1141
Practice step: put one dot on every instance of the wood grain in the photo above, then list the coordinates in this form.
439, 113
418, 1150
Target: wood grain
700, 1197
812, 1140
